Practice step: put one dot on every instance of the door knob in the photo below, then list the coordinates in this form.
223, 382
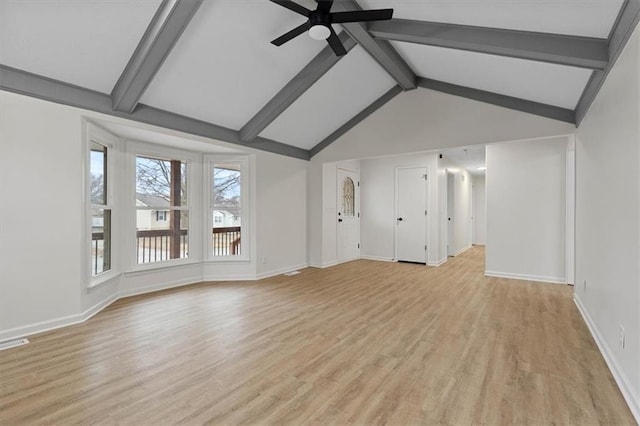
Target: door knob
339, 220
399, 219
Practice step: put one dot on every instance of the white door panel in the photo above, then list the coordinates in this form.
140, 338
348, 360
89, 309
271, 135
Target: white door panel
348, 206
411, 219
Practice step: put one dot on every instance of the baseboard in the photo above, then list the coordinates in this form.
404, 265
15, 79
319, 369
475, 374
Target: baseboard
279, 271
526, 277
44, 326
48, 325
625, 388
153, 288
40, 327
462, 250
438, 262
229, 277
88, 313
378, 258
329, 264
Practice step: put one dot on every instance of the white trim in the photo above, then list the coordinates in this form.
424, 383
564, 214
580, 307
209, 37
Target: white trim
356, 196
633, 401
133, 149
93, 310
280, 271
246, 201
438, 263
103, 278
229, 277
397, 214
48, 325
91, 132
160, 266
40, 327
462, 250
378, 258
570, 210
154, 288
526, 277
64, 321
329, 264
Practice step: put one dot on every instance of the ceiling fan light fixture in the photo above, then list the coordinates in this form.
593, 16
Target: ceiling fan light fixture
319, 32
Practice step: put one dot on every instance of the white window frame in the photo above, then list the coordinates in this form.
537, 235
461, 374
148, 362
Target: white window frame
93, 133
245, 228
193, 161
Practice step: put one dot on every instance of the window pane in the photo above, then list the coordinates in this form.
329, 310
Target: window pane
226, 209
348, 197
98, 172
161, 182
161, 239
100, 241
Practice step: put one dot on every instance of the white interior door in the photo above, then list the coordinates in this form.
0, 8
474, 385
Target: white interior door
348, 203
411, 214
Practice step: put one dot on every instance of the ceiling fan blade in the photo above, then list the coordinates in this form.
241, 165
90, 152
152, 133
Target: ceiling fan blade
336, 44
293, 6
324, 5
361, 16
291, 34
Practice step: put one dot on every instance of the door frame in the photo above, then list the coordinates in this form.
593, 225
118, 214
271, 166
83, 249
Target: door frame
395, 212
357, 212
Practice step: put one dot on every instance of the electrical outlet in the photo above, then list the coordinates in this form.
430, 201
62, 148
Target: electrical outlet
584, 286
621, 336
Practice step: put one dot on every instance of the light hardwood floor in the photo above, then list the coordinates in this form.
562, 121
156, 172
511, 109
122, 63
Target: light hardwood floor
360, 343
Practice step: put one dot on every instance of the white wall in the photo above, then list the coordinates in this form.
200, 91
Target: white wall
378, 223
40, 225
417, 121
42, 283
422, 120
479, 210
608, 220
281, 206
525, 185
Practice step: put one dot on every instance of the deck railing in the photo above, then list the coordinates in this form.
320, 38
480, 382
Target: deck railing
155, 245
226, 241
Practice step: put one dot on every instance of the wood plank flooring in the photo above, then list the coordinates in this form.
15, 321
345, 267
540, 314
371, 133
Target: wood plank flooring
360, 343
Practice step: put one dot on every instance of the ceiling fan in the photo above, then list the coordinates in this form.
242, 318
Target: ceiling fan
319, 22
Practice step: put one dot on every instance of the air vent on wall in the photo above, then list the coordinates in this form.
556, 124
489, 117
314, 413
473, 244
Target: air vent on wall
13, 343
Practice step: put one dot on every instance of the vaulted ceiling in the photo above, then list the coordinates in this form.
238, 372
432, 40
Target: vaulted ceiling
206, 66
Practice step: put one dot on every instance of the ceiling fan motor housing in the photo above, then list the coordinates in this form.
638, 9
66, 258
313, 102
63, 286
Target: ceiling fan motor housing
319, 25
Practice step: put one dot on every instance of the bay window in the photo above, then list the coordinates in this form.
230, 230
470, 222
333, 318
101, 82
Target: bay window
162, 209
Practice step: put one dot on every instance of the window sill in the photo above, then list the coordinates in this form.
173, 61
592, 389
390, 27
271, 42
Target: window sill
98, 280
228, 259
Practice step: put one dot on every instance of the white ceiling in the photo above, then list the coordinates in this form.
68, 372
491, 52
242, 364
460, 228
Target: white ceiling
224, 68
86, 43
346, 89
535, 81
588, 18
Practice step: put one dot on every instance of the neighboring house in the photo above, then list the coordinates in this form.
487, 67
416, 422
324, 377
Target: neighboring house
158, 218
225, 219
148, 219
